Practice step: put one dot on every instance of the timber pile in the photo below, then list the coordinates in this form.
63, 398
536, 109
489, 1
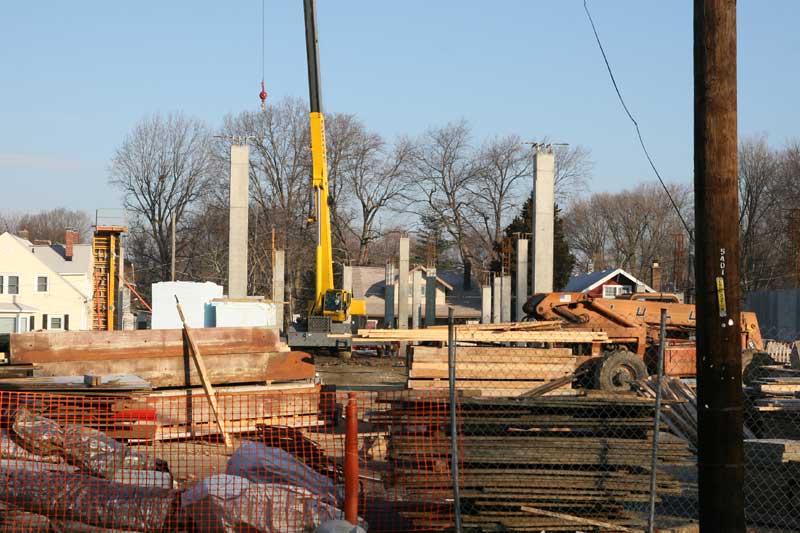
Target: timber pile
774, 400
488, 333
249, 366
161, 357
772, 495
580, 460
491, 370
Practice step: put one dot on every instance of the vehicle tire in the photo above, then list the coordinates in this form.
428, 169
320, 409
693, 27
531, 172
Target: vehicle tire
618, 370
752, 363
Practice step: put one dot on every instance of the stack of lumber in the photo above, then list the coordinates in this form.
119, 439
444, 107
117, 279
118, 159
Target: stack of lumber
775, 403
183, 414
487, 333
547, 463
249, 367
491, 370
772, 495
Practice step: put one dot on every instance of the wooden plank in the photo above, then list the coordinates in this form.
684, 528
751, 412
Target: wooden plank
576, 519
488, 372
51, 346
179, 371
200, 365
439, 335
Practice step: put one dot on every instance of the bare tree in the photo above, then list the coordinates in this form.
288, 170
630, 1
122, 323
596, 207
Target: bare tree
446, 169
51, 224
9, 221
504, 163
162, 168
573, 171
280, 171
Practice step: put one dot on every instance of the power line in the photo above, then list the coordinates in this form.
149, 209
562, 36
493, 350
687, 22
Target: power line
635, 123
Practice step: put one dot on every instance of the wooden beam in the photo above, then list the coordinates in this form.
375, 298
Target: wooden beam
577, 519
50, 346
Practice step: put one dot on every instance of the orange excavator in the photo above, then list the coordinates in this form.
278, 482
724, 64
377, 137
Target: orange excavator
632, 323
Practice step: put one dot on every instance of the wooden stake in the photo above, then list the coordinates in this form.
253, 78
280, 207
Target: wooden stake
719, 350
201, 371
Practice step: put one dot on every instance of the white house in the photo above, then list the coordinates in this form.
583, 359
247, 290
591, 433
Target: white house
45, 286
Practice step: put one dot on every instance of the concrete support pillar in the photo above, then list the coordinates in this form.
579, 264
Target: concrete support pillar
522, 278
505, 299
486, 304
430, 297
416, 299
347, 279
237, 239
496, 299
388, 310
278, 295
402, 285
543, 219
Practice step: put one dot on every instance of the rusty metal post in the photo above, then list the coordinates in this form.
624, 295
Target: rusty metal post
351, 461
720, 403
662, 344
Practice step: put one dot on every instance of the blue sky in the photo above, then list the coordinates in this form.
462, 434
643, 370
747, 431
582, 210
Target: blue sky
76, 76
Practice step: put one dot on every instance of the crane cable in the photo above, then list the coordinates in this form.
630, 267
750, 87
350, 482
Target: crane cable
263, 94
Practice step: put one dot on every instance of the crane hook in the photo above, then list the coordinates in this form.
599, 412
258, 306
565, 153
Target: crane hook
263, 96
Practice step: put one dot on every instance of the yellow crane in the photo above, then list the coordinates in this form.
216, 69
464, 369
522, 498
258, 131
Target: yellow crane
328, 324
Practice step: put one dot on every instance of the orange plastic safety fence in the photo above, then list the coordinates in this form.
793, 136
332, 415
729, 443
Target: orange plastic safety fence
157, 462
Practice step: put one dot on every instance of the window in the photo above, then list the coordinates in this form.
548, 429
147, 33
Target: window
2, 281
56, 322
13, 284
41, 283
609, 291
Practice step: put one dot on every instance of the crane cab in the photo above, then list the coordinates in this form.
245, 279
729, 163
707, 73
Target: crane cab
338, 304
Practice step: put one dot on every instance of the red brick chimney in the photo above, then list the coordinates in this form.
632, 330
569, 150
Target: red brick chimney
655, 276
70, 240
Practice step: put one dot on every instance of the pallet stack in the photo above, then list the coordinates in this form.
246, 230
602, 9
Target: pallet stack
548, 463
491, 370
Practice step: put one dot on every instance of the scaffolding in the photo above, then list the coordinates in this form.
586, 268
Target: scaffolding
106, 253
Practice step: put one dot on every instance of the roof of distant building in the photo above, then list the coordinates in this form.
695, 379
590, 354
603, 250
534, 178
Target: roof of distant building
588, 281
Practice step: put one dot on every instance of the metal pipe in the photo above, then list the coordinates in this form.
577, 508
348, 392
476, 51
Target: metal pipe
657, 421
451, 371
351, 461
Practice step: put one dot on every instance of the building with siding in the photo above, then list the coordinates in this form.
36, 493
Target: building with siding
44, 285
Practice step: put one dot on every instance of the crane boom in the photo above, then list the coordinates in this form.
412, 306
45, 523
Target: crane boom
324, 254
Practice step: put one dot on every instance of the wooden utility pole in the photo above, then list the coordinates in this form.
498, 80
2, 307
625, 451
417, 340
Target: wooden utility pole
719, 350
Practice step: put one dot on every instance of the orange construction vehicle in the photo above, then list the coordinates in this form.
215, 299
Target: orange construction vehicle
632, 323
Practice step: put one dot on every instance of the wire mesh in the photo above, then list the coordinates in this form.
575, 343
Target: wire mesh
541, 448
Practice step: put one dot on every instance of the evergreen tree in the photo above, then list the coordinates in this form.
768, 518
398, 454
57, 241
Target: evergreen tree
431, 238
563, 259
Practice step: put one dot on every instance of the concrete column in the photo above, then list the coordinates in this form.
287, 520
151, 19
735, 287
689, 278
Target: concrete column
416, 298
237, 241
496, 299
505, 299
402, 286
522, 278
486, 304
430, 297
278, 294
543, 219
347, 279
388, 297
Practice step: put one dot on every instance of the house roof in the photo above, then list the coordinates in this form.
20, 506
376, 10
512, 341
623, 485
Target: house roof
16, 308
591, 280
53, 256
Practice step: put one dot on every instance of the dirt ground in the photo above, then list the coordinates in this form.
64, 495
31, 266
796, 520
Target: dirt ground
363, 371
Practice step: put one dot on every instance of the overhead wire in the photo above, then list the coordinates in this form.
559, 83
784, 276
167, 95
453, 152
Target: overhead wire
635, 124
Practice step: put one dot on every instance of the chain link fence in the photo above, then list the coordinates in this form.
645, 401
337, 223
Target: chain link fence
538, 446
